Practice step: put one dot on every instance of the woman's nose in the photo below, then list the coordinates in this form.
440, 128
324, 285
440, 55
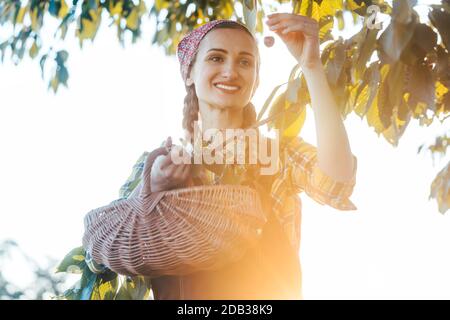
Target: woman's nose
230, 71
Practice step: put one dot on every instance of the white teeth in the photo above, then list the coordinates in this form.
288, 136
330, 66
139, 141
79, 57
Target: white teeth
222, 86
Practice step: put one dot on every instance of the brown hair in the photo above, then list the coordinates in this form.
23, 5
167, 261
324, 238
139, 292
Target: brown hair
191, 108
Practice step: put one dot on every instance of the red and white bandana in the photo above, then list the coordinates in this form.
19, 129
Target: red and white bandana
188, 46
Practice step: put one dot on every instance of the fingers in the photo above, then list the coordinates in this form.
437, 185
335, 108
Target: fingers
175, 175
167, 160
306, 30
288, 26
178, 171
278, 17
168, 143
286, 22
170, 170
180, 155
177, 156
186, 171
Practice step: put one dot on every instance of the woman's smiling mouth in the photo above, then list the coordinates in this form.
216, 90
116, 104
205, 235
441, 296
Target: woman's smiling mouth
227, 88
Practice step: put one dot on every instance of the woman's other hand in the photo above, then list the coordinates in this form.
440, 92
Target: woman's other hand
165, 174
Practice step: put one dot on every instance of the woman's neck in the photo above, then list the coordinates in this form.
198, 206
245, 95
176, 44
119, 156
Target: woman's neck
215, 118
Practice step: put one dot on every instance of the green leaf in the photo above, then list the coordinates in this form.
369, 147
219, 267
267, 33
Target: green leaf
373, 114
395, 81
441, 20
74, 258
268, 101
368, 46
422, 43
421, 88
443, 62
88, 280
439, 189
425, 38
325, 28
54, 7
395, 38
42, 64
104, 290
134, 288
63, 75
61, 57
403, 11
367, 90
335, 63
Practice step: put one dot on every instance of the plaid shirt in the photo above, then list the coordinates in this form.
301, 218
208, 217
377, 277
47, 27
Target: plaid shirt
298, 172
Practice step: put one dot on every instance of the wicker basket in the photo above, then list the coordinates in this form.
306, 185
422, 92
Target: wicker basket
175, 232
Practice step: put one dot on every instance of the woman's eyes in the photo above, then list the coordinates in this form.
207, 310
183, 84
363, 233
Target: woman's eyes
247, 63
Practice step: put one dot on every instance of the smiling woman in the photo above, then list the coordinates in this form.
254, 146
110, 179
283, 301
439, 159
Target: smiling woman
221, 79
219, 64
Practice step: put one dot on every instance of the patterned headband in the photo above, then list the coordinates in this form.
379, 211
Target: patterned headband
188, 46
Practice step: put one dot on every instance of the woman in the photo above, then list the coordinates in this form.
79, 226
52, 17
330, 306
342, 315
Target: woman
220, 67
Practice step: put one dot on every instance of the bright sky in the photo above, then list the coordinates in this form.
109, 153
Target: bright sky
63, 155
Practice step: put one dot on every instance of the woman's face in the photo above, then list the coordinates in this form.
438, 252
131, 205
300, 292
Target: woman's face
225, 57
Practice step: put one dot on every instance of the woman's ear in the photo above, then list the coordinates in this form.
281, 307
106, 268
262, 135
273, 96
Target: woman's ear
189, 79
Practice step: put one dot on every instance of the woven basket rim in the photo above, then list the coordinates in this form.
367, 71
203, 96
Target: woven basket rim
208, 188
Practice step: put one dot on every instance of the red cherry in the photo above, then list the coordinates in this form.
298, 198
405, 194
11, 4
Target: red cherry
269, 41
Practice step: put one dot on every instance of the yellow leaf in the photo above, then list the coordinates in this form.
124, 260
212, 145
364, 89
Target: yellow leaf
63, 10
390, 134
440, 90
161, 4
373, 117
315, 12
327, 26
359, 106
294, 129
329, 8
54, 83
104, 290
117, 9
373, 114
200, 14
142, 8
132, 19
308, 8
420, 109
259, 23
34, 50
21, 14
78, 257
227, 10
34, 19
89, 28
303, 10
352, 5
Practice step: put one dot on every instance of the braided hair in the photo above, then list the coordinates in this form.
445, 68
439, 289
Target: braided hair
191, 107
